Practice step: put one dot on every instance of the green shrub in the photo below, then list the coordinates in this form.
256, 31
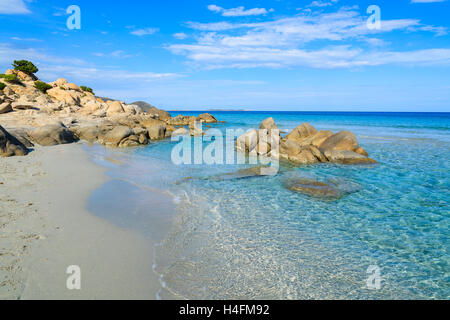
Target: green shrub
11, 78
42, 86
87, 89
25, 66
2, 86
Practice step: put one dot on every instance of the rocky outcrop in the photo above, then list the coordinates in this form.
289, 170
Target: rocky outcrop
305, 145
181, 120
207, 118
52, 134
65, 113
10, 146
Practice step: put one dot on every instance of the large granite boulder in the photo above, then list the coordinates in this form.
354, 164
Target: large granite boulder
52, 134
114, 107
69, 97
317, 139
268, 124
115, 136
248, 141
156, 128
207, 118
347, 157
301, 133
342, 141
10, 146
5, 107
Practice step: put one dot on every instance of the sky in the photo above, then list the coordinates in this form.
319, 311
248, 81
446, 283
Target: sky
304, 55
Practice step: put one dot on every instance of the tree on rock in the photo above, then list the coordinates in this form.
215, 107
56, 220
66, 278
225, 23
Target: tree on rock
25, 66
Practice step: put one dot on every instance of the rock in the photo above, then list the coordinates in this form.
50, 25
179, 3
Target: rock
22, 105
305, 157
162, 114
342, 141
207, 118
156, 129
60, 82
8, 91
89, 133
362, 151
115, 136
157, 132
290, 148
268, 124
259, 171
5, 107
129, 109
195, 129
68, 97
52, 134
180, 132
301, 133
313, 188
316, 153
247, 142
130, 141
25, 76
21, 135
347, 157
263, 148
10, 146
181, 120
317, 139
72, 86
115, 107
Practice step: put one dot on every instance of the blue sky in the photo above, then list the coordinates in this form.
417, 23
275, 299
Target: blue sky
255, 55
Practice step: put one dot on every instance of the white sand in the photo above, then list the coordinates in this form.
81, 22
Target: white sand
44, 228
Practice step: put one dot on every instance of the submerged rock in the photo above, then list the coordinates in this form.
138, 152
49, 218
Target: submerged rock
258, 171
313, 188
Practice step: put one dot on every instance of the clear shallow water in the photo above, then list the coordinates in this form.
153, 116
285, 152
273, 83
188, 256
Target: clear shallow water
252, 238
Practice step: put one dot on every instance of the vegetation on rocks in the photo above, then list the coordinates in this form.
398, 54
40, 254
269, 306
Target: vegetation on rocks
11, 78
2, 86
42, 86
87, 89
25, 66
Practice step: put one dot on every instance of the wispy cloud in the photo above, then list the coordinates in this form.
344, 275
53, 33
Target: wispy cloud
144, 32
180, 35
321, 3
13, 7
239, 11
284, 43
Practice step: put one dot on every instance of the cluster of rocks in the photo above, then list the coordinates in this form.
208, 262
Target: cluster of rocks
304, 145
65, 113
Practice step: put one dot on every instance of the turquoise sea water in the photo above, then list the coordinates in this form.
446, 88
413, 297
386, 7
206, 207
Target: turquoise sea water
254, 239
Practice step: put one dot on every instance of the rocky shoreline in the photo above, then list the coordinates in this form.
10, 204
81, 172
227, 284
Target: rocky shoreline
61, 112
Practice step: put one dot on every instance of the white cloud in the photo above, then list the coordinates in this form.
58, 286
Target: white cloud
284, 43
180, 36
13, 7
76, 70
144, 32
320, 3
239, 11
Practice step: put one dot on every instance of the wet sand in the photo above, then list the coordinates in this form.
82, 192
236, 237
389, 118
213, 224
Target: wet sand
46, 227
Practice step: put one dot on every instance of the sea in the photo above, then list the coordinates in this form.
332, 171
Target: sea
219, 235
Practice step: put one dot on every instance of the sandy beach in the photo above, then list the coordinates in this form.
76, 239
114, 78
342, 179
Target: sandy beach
45, 228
